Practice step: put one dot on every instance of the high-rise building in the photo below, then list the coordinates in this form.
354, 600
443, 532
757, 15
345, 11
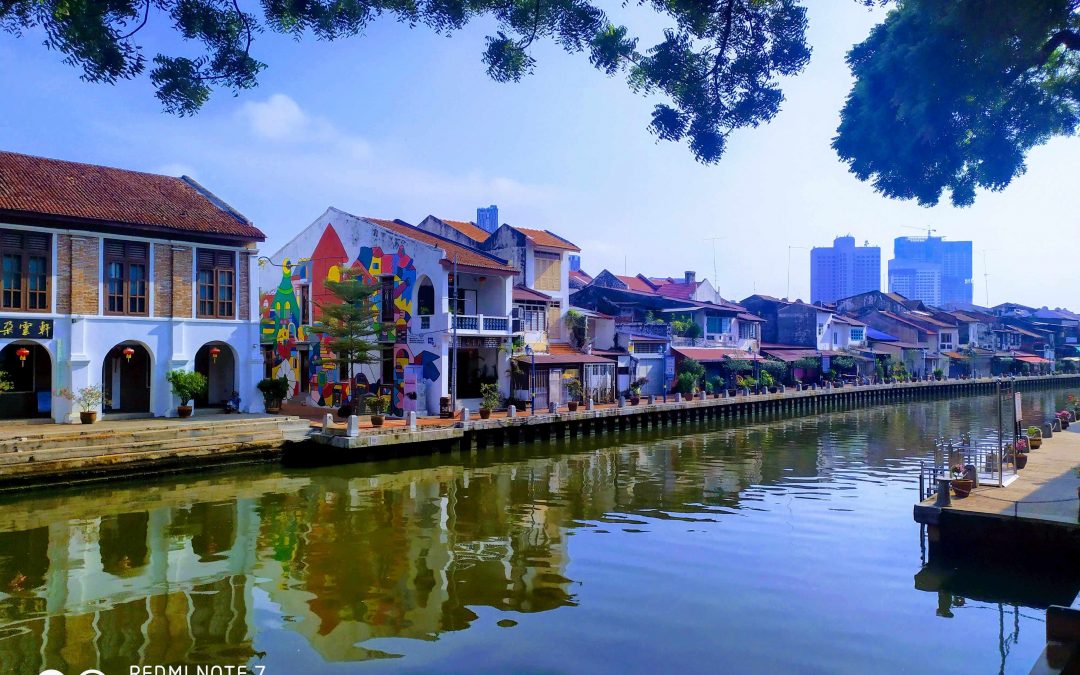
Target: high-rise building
843, 270
487, 219
932, 270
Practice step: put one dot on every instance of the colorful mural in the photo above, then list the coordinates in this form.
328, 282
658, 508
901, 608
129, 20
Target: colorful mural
282, 329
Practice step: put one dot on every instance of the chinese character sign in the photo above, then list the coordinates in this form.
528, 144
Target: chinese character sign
26, 328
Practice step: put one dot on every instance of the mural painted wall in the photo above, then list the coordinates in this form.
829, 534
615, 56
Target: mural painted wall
282, 327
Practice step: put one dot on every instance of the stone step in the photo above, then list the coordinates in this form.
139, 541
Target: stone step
90, 437
58, 468
109, 451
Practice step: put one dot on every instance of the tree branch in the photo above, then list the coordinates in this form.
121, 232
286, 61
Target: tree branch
146, 15
1068, 38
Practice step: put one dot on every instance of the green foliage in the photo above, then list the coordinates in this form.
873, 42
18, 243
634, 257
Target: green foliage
349, 323
717, 383
716, 68
5, 383
573, 388
734, 366
489, 393
952, 94
879, 372
186, 384
685, 383
377, 404
692, 368
767, 379
578, 324
775, 368
636, 385
807, 363
274, 389
1034, 432
842, 364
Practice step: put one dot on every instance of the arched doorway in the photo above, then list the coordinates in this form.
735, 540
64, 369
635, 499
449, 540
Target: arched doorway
217, 363
425, 302
125, 379
28, 367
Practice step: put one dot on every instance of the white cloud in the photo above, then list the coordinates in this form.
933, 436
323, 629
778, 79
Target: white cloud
279, 118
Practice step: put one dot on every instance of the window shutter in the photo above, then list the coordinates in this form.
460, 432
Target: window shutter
37, 243
114, 249
204, 259
136, 250
224, 259
10, 239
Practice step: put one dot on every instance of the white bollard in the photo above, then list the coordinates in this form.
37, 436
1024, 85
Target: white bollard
464, 414
553, 407
622, 402
411, 418
327, 423
352, 430
589, 405
652, 399
511, 411
702, 396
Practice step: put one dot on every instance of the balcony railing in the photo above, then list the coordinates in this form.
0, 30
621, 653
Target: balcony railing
479, 324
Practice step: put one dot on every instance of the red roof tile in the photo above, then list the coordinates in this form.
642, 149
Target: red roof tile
548, 239
50, 187
464, 255
678, 290
468, 229
712, 355
636, 284
525, 294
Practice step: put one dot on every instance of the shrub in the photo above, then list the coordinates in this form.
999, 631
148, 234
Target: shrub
87, 399
377, 404
274, 389
693, 368
186, 384
717, 383
490, 395
767, 379
573, 388
685, 383
776, 369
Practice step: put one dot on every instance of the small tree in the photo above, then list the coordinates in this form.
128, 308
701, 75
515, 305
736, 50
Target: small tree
349, 323
577, 324
775, 368
186, 384
692, 368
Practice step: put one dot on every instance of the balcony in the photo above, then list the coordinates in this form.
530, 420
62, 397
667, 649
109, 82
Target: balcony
480, 324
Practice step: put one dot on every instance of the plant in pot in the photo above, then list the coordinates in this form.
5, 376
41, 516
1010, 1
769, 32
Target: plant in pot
961, 484
1063, 418
938, 373
274, 391
377, 405
1034, 435
767, 380
489, 393
716, 383
635, 393
186, 385
573, 390
88, 399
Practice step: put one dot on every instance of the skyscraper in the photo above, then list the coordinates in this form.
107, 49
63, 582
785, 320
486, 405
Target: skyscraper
487, 219
843, 270
932, 270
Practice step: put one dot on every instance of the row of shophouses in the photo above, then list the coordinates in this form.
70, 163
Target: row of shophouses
112, 278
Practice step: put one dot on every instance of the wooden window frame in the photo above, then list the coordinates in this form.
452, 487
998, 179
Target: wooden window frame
386, 298
127, 260
210, 260
26, 253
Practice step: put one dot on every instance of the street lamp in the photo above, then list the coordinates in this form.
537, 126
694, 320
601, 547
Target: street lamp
532, 377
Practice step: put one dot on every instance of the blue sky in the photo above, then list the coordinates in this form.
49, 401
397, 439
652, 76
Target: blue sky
401, 123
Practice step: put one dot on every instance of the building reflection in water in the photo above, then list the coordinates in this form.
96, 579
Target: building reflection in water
166, 572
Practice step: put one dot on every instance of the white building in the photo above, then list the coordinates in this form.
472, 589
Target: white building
112, 278
423, 307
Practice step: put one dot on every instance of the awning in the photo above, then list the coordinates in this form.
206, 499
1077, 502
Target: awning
562, 359
714, 355
525, 294
956, 355
1025, 358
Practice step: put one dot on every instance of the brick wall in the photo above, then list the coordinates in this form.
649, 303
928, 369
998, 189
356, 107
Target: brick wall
182, 266
84, 278
245, 286
163, 280
63, 274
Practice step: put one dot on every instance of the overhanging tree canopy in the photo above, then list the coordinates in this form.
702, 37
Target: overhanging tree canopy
716, 67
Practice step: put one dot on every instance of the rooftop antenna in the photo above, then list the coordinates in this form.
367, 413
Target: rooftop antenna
927, 228
986, 276
715, 276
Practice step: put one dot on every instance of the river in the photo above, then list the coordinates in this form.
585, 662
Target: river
773, 546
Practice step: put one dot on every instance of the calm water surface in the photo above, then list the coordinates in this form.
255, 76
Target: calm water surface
779, 546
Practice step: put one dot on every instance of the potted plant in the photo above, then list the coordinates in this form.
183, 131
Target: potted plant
1034, 435
961, 484
88, 399
573, 390
1063, 418
274, 391
186, 385
489, 394
767, 381
635, 390
717, 384
377, 405
938, 373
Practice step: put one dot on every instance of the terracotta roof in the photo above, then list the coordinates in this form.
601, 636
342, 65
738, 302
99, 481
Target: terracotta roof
563, 354
525, 294
39, 186
1029, 358
636, 284
546, 238
468, 229
465, 256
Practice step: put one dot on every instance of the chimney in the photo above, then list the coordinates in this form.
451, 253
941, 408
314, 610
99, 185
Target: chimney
487, 219
690, 276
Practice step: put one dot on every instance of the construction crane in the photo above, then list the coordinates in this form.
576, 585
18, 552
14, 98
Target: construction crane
928, 229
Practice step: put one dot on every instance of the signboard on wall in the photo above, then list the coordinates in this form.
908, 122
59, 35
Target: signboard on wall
669, 367
23, 327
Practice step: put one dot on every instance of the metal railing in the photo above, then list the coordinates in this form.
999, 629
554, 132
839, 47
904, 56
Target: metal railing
479, 323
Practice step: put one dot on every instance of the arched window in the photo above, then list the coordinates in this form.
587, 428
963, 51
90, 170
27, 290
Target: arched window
425, 298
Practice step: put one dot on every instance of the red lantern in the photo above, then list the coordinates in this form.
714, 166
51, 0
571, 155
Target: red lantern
128, 353
214, 351
22, 353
